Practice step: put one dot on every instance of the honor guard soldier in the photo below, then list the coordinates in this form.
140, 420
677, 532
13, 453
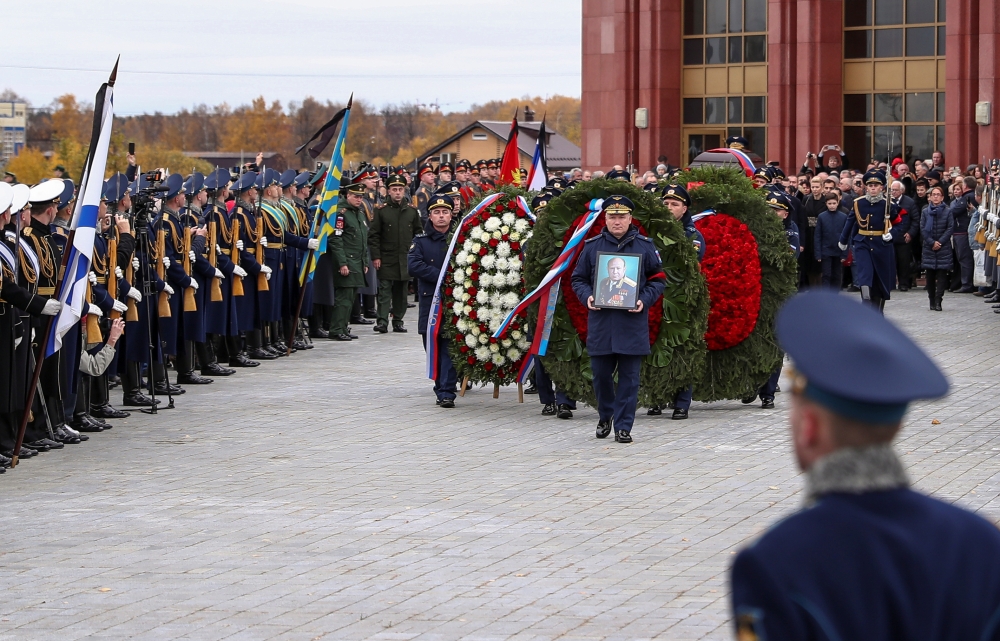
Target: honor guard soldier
475, 176
463, 173
618, 339
424, 190
221, 320
426, 259
678, 201
867, 557
297, 215
445, 173
389, 240
453, 191
870, 233
251, 255
489, 180
18, 306
348, 250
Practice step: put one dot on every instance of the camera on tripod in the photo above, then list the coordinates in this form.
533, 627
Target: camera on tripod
145, 198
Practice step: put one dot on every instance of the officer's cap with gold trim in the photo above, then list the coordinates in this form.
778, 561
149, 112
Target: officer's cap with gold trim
737, 142
617, 204
395, 180
451, 188
218, 179
267, 178
619, 174
366, 171
556, 182
117, 186
541, 201
440, 201
492, 163
68, 193
676, 192
463, 164
446, 166
175, 186
425, 168
355, 188
764, 172
777, 200
875, 176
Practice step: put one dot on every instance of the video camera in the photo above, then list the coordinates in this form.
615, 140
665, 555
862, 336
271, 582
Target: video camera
145, 198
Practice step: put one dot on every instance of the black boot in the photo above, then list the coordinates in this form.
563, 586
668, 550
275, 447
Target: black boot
132, 394
209, 363
185, 366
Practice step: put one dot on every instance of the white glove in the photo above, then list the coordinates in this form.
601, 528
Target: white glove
263, 242
119, 273
265, 269
887, 237
218, 250
192, 256
167, 288
219, 274
239, 245
842, 246
135, 263
314, 243
11, 236
135, 295
92, 277
166, 261
94, 310
52, 307
194, 284
239, 271
120, 306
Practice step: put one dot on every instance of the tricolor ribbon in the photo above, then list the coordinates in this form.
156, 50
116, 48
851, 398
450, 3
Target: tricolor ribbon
436, 316
548, 291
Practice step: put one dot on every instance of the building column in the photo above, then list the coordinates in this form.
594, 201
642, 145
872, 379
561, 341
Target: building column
962, 57
659, 82
603, 83
781, 84
989, 87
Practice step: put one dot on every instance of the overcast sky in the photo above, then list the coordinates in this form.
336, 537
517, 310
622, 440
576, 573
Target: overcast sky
182, 53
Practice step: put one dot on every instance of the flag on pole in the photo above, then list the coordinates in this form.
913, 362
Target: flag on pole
326, 212
538, 174
83, 225
510, 164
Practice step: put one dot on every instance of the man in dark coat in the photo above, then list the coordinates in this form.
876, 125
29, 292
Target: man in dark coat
618, 339
425, 261
871, 234
390, 236
903, 240
868, 557
348, 249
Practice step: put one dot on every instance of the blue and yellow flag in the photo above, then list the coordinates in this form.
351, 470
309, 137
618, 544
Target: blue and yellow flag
326, 211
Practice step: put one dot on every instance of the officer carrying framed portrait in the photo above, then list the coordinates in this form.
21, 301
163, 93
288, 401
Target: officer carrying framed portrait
616, 277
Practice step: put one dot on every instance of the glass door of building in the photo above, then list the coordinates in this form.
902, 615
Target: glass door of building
699, 140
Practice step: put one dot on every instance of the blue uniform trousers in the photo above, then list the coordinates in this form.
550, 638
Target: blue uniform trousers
617, 402
682, 400
544, 385
766, 391
446, 384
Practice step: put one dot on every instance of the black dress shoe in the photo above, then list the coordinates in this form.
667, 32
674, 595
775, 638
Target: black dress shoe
399, 329
82, 425
114, 382
447, 403
767, 403
354, 337
341, 337
531, 389
319, 333
193, 379
214, 369
967, 289
260, 354
242, 360
549, 409
748, 399
45, 444
621, 436
604, 428
371, 313
273, 351
65, 437
281, 347
138, 400
361, 321
174, 390
654, 411
679, 414
26, 452
380, 328
564, 411
410, 305
106, 411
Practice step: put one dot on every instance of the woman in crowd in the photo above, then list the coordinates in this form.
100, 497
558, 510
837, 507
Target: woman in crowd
936, 227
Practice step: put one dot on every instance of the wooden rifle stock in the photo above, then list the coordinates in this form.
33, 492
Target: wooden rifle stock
213, 260
161, 271
234, 255
112, 279
93, 325
262, 285
190, 304
132, 313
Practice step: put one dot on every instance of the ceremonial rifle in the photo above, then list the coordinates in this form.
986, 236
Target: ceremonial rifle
161, 269
262, 285
190, 304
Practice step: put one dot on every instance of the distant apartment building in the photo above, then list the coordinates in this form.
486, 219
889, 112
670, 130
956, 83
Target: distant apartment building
13, 121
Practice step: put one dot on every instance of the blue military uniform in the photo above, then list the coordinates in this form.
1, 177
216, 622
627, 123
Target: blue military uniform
874, 267
618, 339
868, 557
424, 262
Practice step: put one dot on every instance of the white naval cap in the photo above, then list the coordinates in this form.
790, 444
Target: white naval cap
46, 191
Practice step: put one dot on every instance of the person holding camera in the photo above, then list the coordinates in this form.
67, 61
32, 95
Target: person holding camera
831, 158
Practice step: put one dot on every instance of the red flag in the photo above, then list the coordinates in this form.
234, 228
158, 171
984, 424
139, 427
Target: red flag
510, 165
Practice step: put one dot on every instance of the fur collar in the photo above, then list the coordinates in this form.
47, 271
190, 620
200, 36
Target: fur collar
856, 471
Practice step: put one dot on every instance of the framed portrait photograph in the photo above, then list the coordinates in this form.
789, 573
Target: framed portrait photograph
616, 283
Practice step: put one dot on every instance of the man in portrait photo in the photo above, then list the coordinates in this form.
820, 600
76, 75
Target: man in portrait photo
617, 289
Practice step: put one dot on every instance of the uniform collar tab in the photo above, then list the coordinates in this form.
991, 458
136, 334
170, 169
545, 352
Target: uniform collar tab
856, 471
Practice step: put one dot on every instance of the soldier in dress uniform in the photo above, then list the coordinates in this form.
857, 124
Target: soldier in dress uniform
445, 173
247, 306
453, 191
618, 339
221, 320
475, 176
867, 557
348, 251
425, 261
489, 180
425, 189
870, 232
297, 214
389, 240
463, 173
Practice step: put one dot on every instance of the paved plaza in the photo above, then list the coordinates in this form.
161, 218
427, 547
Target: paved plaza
325, 496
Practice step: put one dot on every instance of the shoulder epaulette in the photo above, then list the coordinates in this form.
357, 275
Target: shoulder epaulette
590, 240
423, 235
